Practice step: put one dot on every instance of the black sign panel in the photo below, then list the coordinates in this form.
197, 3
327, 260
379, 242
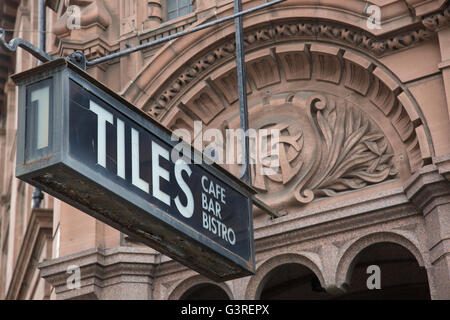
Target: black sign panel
184, 191
92, 150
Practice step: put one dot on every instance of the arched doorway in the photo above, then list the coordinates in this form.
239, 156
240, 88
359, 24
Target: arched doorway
205, 291
400, 276
292, 281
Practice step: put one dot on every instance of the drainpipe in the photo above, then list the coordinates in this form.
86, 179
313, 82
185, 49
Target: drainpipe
37, 193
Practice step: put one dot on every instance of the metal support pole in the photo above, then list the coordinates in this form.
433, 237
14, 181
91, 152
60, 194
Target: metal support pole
38, 196
42, 25
242, 92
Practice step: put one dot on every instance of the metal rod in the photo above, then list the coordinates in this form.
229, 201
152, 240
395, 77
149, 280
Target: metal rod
273, 213
180, 34
24, 44
242, 93
38, 196
245, 174
42, 25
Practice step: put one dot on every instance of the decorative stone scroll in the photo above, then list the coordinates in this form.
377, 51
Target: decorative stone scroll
327, 146
353, 152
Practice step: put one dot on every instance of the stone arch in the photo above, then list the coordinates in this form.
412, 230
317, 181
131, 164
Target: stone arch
275, 75
290, 50
328, 20
194, 281
257, 282
351, 250
192, 55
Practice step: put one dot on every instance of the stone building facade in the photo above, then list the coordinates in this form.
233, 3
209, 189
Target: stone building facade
365, 146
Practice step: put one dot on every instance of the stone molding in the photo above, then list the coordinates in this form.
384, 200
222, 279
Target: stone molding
182, 286
104, 272
91, 38
430, 192
154, 14
427, 188
309, 260
443, 165
279, 32
349, 251
92, 49
39, 231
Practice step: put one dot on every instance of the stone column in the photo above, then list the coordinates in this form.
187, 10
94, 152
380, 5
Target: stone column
154, 14
440, 23
430, 191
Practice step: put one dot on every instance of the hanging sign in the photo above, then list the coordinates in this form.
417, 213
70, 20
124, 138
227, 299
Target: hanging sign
84, 144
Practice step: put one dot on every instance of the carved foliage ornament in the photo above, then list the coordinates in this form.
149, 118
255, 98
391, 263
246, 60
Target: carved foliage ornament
330, 148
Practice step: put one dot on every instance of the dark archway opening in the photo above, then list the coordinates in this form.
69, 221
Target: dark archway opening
205, 291
291, 282
401, 277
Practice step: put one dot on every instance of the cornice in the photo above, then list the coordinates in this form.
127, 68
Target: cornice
427, 188
92, 49
39, 228
443, 165
99, 268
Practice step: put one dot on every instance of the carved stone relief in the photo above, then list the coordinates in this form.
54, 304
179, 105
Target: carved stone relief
327, 146
438, 20
342, 125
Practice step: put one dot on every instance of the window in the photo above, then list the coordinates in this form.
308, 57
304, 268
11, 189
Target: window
178, 8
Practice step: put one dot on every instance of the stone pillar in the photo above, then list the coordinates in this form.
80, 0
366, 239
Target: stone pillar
430, 191
207, 8
444, 66
154, 14
120, 273
440, 23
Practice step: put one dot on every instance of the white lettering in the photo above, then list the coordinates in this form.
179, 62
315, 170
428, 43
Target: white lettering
120, 148
188, 210
159, 172
102, 116
135, 169
204, 179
